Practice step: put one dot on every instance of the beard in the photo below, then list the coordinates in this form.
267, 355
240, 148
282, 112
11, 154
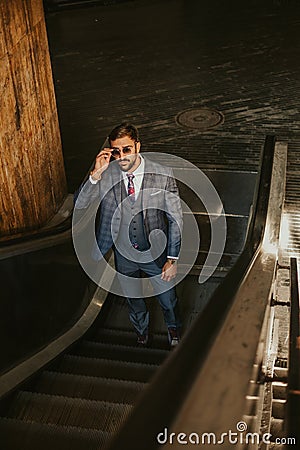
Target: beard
130, 161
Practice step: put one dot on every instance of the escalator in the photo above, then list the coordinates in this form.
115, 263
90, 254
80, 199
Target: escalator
216, 377
78, 393
81, 399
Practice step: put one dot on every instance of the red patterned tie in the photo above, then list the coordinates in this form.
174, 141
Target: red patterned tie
130, 188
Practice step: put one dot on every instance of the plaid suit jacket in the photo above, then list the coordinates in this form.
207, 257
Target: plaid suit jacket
160, 202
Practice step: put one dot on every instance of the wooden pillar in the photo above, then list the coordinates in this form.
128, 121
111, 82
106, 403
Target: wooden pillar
32, 177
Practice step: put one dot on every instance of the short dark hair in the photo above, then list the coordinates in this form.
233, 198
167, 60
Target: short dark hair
122, 130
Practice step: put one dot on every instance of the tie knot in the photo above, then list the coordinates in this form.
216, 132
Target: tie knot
130, 176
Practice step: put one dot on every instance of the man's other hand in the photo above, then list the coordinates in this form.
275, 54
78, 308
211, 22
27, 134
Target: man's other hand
169, 271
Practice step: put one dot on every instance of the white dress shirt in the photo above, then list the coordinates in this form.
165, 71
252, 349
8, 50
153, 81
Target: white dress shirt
138, 177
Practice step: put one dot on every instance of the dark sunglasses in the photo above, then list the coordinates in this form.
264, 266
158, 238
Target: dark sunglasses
116, 153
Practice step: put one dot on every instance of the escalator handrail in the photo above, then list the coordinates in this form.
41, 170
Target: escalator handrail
293, 397
37, 239
42, 237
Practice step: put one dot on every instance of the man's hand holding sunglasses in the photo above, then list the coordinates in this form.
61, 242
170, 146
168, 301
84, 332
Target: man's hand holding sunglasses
101, 163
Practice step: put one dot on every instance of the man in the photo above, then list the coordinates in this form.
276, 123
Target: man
139, 211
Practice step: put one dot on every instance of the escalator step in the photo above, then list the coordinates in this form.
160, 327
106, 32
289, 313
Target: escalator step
64, 411
93, 388
105, 368
119, 352
18, 435
123, 337
117, 316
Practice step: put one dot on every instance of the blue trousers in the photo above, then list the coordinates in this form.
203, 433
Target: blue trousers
138, 313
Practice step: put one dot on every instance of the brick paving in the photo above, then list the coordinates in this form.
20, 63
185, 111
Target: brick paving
145, 61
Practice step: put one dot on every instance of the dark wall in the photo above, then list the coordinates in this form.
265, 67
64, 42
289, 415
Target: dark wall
42, 294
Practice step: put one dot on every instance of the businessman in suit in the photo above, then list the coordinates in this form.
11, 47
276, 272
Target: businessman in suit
139, 204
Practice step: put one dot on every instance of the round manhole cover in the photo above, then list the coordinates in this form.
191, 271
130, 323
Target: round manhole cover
200, 119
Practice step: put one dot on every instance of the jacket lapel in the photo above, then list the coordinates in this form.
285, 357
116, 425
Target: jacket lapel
148, 183
118, 185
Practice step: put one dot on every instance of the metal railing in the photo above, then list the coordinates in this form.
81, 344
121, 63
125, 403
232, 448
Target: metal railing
293, 394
